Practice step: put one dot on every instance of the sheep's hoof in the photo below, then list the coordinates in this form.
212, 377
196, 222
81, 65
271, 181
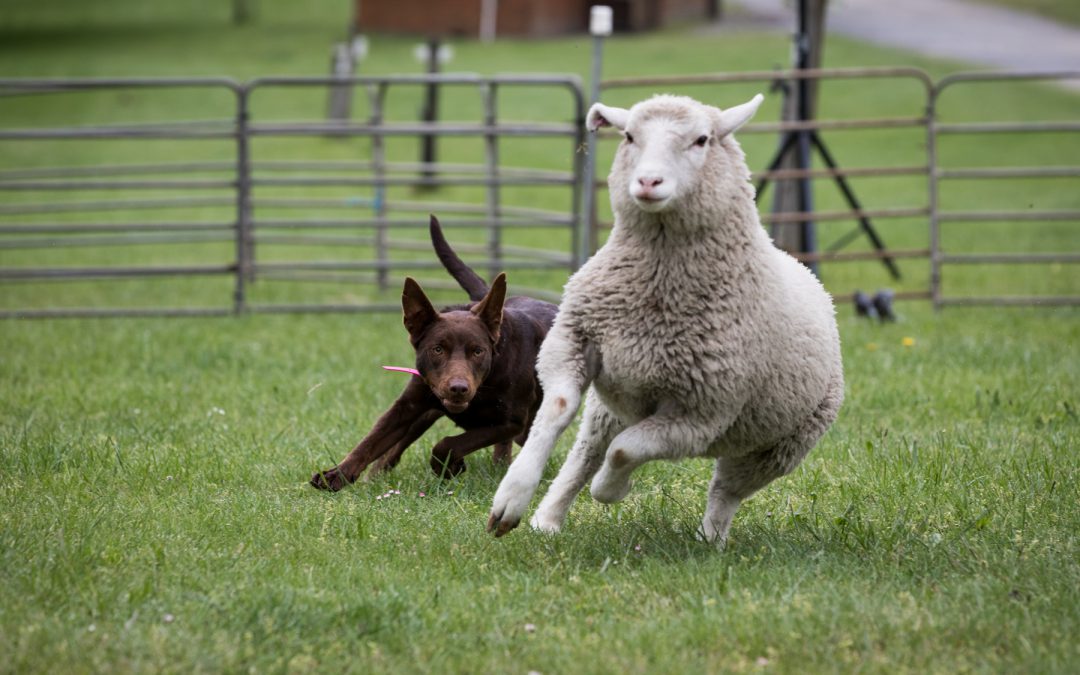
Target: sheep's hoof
547, 524
608, 489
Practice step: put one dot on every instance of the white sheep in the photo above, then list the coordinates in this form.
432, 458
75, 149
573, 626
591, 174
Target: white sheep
698, 336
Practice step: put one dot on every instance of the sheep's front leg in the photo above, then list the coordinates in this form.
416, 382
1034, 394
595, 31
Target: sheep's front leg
664, 435
566, 366
560, 404
598, 427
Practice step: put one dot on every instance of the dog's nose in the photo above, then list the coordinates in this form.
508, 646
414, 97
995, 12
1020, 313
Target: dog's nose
459, 387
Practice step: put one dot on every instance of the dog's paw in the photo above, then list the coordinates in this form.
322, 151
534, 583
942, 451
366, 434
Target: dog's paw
445, 469
331, 479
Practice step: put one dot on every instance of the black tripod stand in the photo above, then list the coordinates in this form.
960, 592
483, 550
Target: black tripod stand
801, 141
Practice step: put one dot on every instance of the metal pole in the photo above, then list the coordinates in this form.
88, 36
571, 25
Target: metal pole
378, 158
600, 25
932, 197
430, 111
491, 153
807, 234
244, 242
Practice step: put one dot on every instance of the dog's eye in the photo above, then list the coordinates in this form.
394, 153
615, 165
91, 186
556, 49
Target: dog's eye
437, 349
701, 141
479, 351
629, 138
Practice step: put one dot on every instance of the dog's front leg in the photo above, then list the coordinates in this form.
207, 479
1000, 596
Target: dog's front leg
399, 426
448, 455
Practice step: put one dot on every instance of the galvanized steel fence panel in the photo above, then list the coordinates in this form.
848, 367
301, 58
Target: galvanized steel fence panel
254, 201
266, 208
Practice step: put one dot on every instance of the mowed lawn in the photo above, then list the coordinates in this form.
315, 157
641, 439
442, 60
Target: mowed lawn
155, 514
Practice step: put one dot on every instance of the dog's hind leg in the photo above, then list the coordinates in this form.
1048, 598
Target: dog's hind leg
599, 425
387, 461
396, 430
503, 453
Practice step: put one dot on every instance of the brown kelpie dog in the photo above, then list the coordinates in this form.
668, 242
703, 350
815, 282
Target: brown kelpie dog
477, 366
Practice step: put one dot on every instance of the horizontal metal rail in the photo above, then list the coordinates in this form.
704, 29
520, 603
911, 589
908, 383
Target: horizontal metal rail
410, 129
1009, 258
1011, 172
15, 273
116, 205
1007, 216
103, 228
1012, 301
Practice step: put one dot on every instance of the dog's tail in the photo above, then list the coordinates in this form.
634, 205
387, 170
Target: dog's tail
476, 287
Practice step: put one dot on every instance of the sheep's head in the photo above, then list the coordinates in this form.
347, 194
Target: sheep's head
668, 141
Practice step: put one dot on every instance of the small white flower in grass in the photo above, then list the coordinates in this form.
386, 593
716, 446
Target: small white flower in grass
168, 618
91, 628
935, 538
423, 495
530, 628
379, 497
762, 661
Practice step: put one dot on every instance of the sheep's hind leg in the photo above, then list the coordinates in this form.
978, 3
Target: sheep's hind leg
660, 436
598, 427
736, 478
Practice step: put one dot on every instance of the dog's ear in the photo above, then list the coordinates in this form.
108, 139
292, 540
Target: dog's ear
490, 309
419, 313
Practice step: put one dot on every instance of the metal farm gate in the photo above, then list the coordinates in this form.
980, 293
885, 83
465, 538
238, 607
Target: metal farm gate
266, 206
264, 203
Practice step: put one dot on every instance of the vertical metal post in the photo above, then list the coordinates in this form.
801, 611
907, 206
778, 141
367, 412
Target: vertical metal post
430, 111
932, 198
244, 241
491, 156
600, 25
377, 94
581, 159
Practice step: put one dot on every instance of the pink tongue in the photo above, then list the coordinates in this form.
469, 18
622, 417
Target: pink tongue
413, 371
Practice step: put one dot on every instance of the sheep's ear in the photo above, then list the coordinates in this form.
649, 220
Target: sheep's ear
736, 116
601, 115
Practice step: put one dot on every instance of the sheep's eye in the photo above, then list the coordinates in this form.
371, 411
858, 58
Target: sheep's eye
701, 141
629, 138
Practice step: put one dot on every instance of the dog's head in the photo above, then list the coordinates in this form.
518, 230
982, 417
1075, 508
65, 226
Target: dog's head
455, 348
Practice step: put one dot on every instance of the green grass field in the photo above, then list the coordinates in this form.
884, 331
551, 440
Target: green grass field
154, 511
